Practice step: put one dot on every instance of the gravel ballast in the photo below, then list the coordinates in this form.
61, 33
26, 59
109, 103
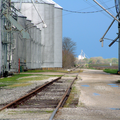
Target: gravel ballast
8, 95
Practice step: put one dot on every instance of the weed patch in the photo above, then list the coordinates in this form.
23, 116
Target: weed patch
72, 100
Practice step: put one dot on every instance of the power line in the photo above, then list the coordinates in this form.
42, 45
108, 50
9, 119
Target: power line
87, 12
110, 39
101, 1
75, 12
88, 2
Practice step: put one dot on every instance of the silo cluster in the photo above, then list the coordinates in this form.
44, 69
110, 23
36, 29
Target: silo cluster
27, 50
49, 40
43, 48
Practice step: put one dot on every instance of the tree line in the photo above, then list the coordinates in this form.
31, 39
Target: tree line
97, 60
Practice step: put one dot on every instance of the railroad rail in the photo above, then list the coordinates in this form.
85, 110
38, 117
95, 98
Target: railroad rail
50, 95
63, 100
21, 100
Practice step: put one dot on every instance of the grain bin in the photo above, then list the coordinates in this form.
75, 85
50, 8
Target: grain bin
58, 36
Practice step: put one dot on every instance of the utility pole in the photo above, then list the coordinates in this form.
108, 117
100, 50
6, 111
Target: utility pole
117, 3
118, 37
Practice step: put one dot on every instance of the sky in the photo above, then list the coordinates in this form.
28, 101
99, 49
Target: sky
87, 29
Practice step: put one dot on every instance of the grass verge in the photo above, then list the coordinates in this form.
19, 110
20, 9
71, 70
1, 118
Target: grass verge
72, 100
36, 71
76, 71
19, 80
13, 112
112, 71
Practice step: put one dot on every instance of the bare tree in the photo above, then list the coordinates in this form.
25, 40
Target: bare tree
68, 52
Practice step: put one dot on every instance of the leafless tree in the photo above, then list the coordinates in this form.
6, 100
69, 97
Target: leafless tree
68, 51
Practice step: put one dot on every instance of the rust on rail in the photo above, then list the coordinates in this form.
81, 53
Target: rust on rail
21, 100
63, 100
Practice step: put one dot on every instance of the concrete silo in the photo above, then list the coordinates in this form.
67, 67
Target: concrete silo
28, 44
38, 48
48, 41
58, 36
34, 47
19, 52
22, 43
51, 37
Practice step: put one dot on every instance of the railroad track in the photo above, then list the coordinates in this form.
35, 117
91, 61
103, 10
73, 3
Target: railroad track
50, 95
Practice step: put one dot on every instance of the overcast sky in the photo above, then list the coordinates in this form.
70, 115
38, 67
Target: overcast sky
86, 29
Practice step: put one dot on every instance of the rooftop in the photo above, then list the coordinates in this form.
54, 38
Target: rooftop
38, 1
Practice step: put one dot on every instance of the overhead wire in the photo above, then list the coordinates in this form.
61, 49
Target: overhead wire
87, 12
110, 39
104, 4
70, 11
73, 12
79, 12
97, 8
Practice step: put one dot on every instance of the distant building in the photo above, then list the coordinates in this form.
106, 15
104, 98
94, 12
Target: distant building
81, 56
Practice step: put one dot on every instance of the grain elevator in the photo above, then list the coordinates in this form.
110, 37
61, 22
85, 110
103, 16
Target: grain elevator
31, 35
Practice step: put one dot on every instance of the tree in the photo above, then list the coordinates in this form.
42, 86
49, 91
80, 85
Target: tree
114, 60
85, 60
92, 61
68, 52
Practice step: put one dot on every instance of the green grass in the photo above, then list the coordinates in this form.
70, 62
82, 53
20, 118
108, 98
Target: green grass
71, 97
97, 65
13, 112
112, 71
118, 81
69, 75
92, 68
11, 80
76, 71
36, 71
19, 80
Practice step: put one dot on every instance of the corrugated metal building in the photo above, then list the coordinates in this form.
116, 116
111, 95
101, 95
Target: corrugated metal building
44, 47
